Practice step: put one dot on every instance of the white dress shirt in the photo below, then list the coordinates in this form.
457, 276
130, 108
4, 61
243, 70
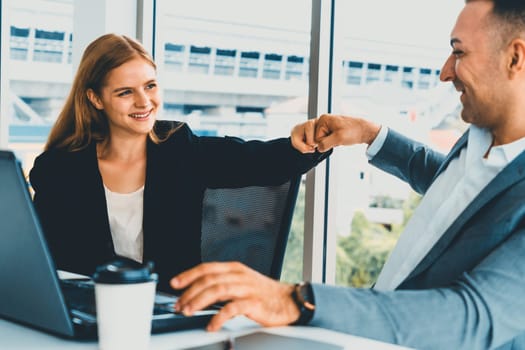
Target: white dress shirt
452, 191
125, 212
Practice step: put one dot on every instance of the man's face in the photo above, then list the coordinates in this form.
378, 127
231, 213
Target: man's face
476, 66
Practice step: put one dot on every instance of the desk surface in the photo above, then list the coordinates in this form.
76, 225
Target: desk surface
14, 336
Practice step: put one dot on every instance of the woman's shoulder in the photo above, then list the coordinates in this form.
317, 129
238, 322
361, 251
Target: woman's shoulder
51, 157
56, 160
166, 128
61, 155
47, 167
172, 131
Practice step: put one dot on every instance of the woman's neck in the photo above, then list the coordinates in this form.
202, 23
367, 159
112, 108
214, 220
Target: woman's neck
122, 150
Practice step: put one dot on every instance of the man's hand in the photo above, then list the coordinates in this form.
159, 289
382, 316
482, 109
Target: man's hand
334, 130
330, 130
248, 293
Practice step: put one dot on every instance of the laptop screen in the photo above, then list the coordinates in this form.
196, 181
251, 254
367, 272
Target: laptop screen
29, 284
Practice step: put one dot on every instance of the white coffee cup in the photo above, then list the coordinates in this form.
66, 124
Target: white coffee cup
125, 295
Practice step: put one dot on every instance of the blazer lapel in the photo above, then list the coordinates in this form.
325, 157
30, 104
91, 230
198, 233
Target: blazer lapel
94, 195
512, 173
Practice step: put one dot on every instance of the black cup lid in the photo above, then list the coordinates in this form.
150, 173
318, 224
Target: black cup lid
124, 270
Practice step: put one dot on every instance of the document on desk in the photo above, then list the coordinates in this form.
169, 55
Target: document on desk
267, 341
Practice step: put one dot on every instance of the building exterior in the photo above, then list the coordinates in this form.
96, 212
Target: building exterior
242, 78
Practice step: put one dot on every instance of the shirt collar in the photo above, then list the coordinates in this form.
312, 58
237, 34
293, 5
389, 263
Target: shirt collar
480, 140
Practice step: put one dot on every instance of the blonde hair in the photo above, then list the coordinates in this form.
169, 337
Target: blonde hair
79, 122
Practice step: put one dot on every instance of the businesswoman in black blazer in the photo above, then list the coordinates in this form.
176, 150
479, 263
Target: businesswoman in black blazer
114, 180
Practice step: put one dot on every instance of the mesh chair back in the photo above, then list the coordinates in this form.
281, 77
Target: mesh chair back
249, 224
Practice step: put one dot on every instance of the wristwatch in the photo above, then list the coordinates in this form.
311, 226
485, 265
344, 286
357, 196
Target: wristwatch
303, 296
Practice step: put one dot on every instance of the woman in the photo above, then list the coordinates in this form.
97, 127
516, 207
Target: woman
114, 180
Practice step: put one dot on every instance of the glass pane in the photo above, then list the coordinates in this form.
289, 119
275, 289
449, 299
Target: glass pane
238, 68
38, 70
391, 58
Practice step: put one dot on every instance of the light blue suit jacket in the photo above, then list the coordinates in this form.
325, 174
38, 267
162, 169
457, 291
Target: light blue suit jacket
468, 292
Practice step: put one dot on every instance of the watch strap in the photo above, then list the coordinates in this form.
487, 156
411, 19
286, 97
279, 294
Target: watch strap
303, 296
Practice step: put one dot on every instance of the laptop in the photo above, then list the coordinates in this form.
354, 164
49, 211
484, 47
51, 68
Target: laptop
31, 292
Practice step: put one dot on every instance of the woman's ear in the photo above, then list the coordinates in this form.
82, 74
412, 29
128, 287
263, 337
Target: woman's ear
94, 99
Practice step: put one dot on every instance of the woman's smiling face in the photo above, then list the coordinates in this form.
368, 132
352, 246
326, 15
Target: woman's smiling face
130, 98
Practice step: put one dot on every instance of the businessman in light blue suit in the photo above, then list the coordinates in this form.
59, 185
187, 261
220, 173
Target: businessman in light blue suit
456, 278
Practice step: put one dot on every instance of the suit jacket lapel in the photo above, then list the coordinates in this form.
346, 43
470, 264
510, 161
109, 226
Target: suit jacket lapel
512, 173
454, 152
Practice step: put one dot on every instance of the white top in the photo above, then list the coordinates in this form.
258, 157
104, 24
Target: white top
125, 211
444, 201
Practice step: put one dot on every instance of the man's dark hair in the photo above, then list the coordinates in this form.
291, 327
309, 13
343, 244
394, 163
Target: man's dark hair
509, 18
511, 11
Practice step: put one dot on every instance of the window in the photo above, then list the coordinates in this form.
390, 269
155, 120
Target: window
38, 72
425, 78
19, 43
391, 74
354, 73
246, 64
49, 46
373, 72
233, 67
225, 62
408, 77
294, 68
174, 58
369, 208
200, 59
249, 64
272, 66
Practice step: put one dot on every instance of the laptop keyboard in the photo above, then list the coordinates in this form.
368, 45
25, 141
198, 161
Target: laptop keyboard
80, 295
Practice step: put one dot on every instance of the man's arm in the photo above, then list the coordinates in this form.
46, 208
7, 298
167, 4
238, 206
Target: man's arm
410, 161
482, 310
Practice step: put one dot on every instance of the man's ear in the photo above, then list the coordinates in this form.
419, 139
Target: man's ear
94, 99
516, 61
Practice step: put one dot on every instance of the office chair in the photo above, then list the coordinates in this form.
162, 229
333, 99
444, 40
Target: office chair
249, 224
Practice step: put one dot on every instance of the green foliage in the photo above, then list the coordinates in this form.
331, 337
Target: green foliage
293, 259
360, 255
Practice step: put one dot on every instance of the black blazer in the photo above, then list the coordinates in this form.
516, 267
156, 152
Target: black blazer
70, 199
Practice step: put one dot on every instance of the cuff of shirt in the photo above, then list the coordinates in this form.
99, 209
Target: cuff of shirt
378, 142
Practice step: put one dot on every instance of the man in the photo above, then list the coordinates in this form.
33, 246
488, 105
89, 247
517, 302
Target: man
456, 278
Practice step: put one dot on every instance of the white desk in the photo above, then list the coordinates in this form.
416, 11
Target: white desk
15, 337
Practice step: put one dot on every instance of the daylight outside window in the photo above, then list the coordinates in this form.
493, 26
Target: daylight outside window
237, 68
38, 70
388, 64
241, 68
